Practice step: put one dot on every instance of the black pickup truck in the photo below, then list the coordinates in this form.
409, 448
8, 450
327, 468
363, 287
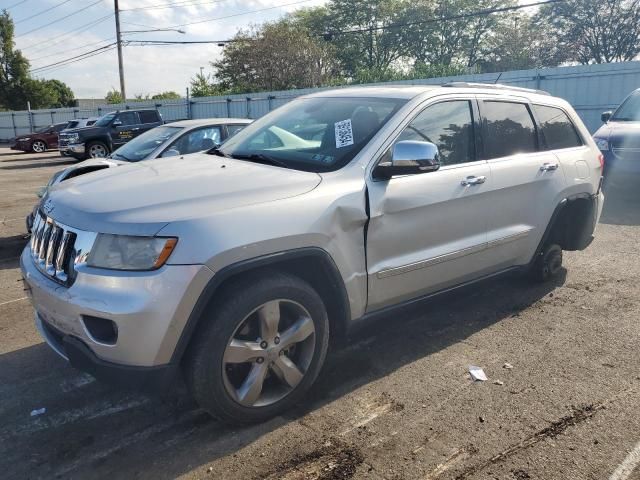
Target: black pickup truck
108, 133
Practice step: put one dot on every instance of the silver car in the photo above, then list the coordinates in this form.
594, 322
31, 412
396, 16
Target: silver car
170, 140
235, 268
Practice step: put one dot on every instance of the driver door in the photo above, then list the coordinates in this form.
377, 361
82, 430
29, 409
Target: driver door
124, 127
428, 231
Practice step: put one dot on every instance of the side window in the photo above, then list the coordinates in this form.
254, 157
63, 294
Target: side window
128, 118
59, 127
557, 129
448, 125
233, 129
507, 129
197, 140
148, 116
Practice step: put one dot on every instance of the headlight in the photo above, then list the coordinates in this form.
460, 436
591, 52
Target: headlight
72, 137
122, 252
24, 139
603, 145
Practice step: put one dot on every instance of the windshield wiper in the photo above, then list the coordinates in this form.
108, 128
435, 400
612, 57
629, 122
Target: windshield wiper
126, 159
216, 151
261, 158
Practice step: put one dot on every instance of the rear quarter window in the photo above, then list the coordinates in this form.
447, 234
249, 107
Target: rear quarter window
557, 129
148, 116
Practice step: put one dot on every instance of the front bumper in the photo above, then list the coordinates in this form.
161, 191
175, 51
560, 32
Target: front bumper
72, 148
23, 147
149, 310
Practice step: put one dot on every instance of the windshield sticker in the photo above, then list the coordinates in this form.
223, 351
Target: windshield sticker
344, 133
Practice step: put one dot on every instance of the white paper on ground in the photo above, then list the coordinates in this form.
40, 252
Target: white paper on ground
477, 373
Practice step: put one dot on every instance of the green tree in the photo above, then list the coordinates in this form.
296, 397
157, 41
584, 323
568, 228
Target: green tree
202, 86
113, 96
14, 68
275, 56
594, 31
60, 94
168, 95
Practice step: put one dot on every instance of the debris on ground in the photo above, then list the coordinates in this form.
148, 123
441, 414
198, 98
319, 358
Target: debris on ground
477, 374
507, 365
498, 382
39, 411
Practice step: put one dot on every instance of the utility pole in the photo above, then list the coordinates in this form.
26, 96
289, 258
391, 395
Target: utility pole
119, 42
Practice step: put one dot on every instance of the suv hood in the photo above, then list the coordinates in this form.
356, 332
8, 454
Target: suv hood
89, 129
141, 198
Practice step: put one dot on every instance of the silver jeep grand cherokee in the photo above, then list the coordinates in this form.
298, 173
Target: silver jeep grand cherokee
236, 269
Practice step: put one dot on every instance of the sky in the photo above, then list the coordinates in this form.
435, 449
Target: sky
79, 26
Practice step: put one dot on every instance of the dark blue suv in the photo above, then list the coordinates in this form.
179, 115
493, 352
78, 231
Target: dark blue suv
619, 138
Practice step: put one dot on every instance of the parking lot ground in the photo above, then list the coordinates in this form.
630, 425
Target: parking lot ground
394, 402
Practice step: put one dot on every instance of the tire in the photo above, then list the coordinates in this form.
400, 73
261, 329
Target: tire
97, 150
65, 154
220, 377
548, 264
38, 146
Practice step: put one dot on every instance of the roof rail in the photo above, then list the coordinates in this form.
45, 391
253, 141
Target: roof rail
493, 86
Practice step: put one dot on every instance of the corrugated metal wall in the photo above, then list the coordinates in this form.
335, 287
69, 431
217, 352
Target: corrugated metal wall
591, 89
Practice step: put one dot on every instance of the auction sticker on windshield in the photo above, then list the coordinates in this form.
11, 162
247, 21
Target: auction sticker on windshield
344, 133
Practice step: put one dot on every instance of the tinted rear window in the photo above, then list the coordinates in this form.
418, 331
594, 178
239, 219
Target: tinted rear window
148, 116
507, 129
557, 129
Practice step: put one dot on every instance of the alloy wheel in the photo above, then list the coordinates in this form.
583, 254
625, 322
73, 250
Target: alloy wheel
269, 353
97, 151
38, 146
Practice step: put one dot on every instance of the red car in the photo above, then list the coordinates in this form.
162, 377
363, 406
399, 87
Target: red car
40, 140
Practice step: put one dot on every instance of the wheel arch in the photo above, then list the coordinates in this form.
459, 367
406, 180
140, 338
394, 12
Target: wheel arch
46, 144
572, 223
312, 264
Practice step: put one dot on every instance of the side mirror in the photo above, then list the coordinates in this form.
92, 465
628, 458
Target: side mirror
409, 157
116, 123
172, 152
606, 116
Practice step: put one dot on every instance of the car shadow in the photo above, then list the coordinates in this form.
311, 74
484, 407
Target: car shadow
99, 431
10, 250
23, 166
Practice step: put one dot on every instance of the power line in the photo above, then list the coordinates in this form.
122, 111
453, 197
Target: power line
239, 14
447, 18
40, 13
183, 4
14, 5
77, 58
31, 60
59, 67
79, 29
60, 19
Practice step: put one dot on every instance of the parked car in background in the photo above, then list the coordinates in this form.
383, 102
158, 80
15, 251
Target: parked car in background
170, 140
77, 123
39, 141
108, 133
619, 138
236, 271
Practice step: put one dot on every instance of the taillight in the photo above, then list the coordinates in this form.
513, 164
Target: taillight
601, 160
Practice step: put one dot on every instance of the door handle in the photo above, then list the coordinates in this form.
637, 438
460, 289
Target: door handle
473, 180
134, 129
548, 167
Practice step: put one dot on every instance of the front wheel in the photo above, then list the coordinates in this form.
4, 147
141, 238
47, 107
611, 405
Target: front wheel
97, 150
260, 349
38, 146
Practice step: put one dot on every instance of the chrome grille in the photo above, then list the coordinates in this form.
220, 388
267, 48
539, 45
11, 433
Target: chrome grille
52, 248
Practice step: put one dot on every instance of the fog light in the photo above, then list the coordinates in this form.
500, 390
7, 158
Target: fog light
101, 330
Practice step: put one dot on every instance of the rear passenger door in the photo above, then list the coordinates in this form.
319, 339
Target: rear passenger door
527, 181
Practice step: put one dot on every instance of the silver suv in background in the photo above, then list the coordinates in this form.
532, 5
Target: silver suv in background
236, 270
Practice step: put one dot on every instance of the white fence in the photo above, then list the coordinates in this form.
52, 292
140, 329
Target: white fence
591, 89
